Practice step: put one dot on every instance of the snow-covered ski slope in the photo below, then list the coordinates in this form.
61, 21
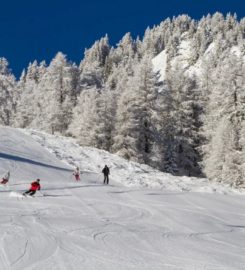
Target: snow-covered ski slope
86, 225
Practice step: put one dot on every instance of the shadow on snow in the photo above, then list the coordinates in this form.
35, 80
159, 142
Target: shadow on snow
26, 160
56, 188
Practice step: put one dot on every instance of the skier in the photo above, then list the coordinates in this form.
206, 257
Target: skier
106, 172
5, 178
76, 173
34, 187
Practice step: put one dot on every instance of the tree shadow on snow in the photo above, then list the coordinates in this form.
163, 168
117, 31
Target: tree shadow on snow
57, 188
237, 226
166, 194
123, 191
26, 160
71, 187
55, 195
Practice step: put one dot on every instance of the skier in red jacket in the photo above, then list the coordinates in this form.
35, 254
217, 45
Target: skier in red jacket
5, 178
34, 187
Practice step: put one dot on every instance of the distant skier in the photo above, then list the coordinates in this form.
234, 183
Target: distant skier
34, 187
76, 173
5, 178
106, 172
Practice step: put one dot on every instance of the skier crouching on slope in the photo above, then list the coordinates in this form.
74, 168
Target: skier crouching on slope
5, 178
34, 187
106, 172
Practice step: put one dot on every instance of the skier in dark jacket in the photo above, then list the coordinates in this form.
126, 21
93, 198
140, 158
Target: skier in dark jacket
106, 172
34, 187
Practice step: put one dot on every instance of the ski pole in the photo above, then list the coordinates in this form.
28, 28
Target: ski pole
41, 193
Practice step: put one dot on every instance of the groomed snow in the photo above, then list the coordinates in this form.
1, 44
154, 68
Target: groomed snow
129, 224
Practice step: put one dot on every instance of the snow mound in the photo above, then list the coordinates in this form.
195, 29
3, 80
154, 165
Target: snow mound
14, 194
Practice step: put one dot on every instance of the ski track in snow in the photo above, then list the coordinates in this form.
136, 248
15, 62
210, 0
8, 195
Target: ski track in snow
88, 225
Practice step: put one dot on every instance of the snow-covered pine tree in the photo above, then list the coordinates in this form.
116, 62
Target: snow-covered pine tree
56, 96
84, 115
7, 93
92, 67
134, 132
27, 105
224, 123
185, 118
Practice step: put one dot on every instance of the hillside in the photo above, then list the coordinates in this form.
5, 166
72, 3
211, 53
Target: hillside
173, 99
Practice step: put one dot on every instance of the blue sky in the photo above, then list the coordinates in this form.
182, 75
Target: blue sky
38, 29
